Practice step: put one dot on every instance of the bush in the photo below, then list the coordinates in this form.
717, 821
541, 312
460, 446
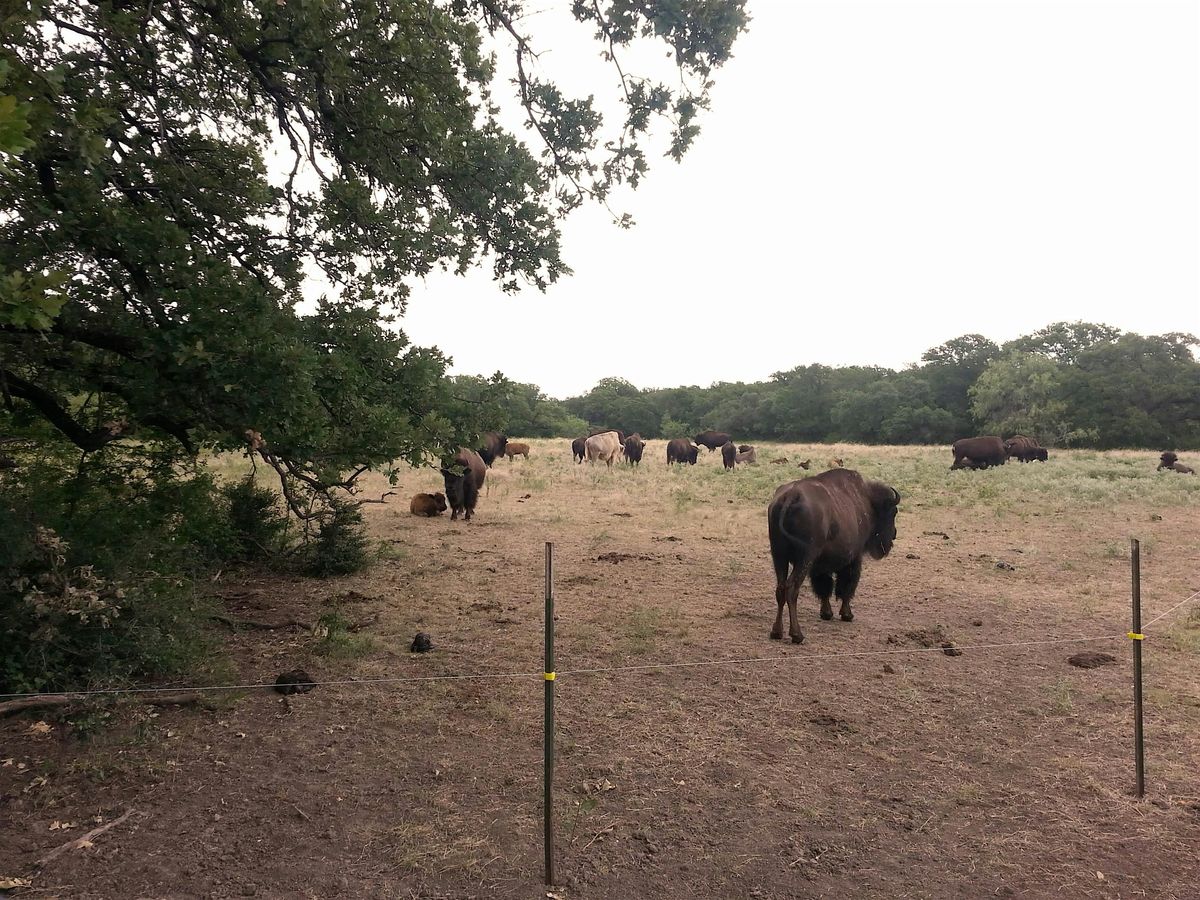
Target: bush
256, 526
340, 546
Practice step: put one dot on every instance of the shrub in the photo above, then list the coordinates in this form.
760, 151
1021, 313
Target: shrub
256, 526
340, 546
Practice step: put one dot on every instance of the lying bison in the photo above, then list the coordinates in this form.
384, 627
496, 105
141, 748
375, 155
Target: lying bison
427, 504
463, 479
1181, 469
1167, 460
820, 527
747, 454
712, 439
681, 450
634, 445
729, 454
579, 449
981, 451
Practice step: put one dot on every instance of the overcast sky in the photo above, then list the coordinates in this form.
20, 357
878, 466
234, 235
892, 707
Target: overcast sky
873, 178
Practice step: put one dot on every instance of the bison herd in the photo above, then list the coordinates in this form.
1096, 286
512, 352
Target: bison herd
819, 528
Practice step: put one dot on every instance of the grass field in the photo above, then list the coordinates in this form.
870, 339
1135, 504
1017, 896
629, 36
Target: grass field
863, 763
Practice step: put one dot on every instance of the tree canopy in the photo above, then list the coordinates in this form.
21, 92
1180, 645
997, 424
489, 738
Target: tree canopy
172, 172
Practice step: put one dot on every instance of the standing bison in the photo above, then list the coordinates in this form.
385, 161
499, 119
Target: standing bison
1025, 449
463, 478
634, 445
579, 449
980, 451
712, 439
729, 454
495, 443
681, 450
605, 446
820, 527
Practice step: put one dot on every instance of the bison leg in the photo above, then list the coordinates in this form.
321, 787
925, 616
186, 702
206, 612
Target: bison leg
781, 574
822, 586
847, 584
793, 591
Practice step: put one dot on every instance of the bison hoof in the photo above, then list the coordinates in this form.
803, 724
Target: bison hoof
847, 617
797, 639
776, 635
827, 614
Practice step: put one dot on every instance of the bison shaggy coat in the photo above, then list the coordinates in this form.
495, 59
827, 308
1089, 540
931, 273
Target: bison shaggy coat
820, 527
1026, 449
579, 449
982, 451
427, 504
681, 450
1167, 460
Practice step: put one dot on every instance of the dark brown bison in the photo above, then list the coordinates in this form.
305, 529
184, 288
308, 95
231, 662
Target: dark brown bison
1026, 449
681, 450
820, 527
729, 454
1167, 460
579, 449
1182, 469
495, 443
620, 434
487, 456
427, 504
463, 479
712, 439
804, 464
634, 445
982, 451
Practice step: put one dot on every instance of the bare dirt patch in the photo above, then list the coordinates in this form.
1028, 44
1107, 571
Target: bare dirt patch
846, 766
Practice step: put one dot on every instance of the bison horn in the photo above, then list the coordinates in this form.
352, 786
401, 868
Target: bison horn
895, 497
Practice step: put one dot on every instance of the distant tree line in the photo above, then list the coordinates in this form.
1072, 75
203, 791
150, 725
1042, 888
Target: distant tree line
1071, 384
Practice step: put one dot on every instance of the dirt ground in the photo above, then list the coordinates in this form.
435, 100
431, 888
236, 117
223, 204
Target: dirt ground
848, 766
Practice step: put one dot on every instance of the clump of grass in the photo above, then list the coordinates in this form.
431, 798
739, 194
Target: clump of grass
337, 641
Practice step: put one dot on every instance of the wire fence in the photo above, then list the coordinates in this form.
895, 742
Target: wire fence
598, 670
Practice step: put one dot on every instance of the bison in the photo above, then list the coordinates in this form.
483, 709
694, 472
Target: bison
836, 463
514, 449
1025, 449
579, 449
681, 450
729, 454
781, 461
495, 443
804, 464
427, 504
634, 445
487, 456
620, 434
1167, 460
747, 454
463, 478
712, 439
982, 451
820, 527
1182, 469
605, 446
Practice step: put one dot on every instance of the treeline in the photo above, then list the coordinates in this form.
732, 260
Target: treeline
1068, 385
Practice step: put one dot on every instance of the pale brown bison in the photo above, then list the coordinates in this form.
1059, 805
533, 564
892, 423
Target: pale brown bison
747, 454
515, 449
605, 446
427, 504
820, 527
681, 450
981, 451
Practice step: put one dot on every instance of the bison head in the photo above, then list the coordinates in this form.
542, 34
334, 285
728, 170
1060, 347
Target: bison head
884, 501
693, 453
455, 481
440, 499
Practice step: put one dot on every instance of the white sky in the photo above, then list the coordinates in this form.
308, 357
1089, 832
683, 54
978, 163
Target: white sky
873, 178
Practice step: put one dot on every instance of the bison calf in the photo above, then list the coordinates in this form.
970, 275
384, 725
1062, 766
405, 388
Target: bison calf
514, 449
428, 504
819, 528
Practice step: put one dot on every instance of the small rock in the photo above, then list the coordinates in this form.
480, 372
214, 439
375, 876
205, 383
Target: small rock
949, 649
1155, 517
1008, 567
978, 623
1091, 659
421, 643
887, 668
911, 556
297, 681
